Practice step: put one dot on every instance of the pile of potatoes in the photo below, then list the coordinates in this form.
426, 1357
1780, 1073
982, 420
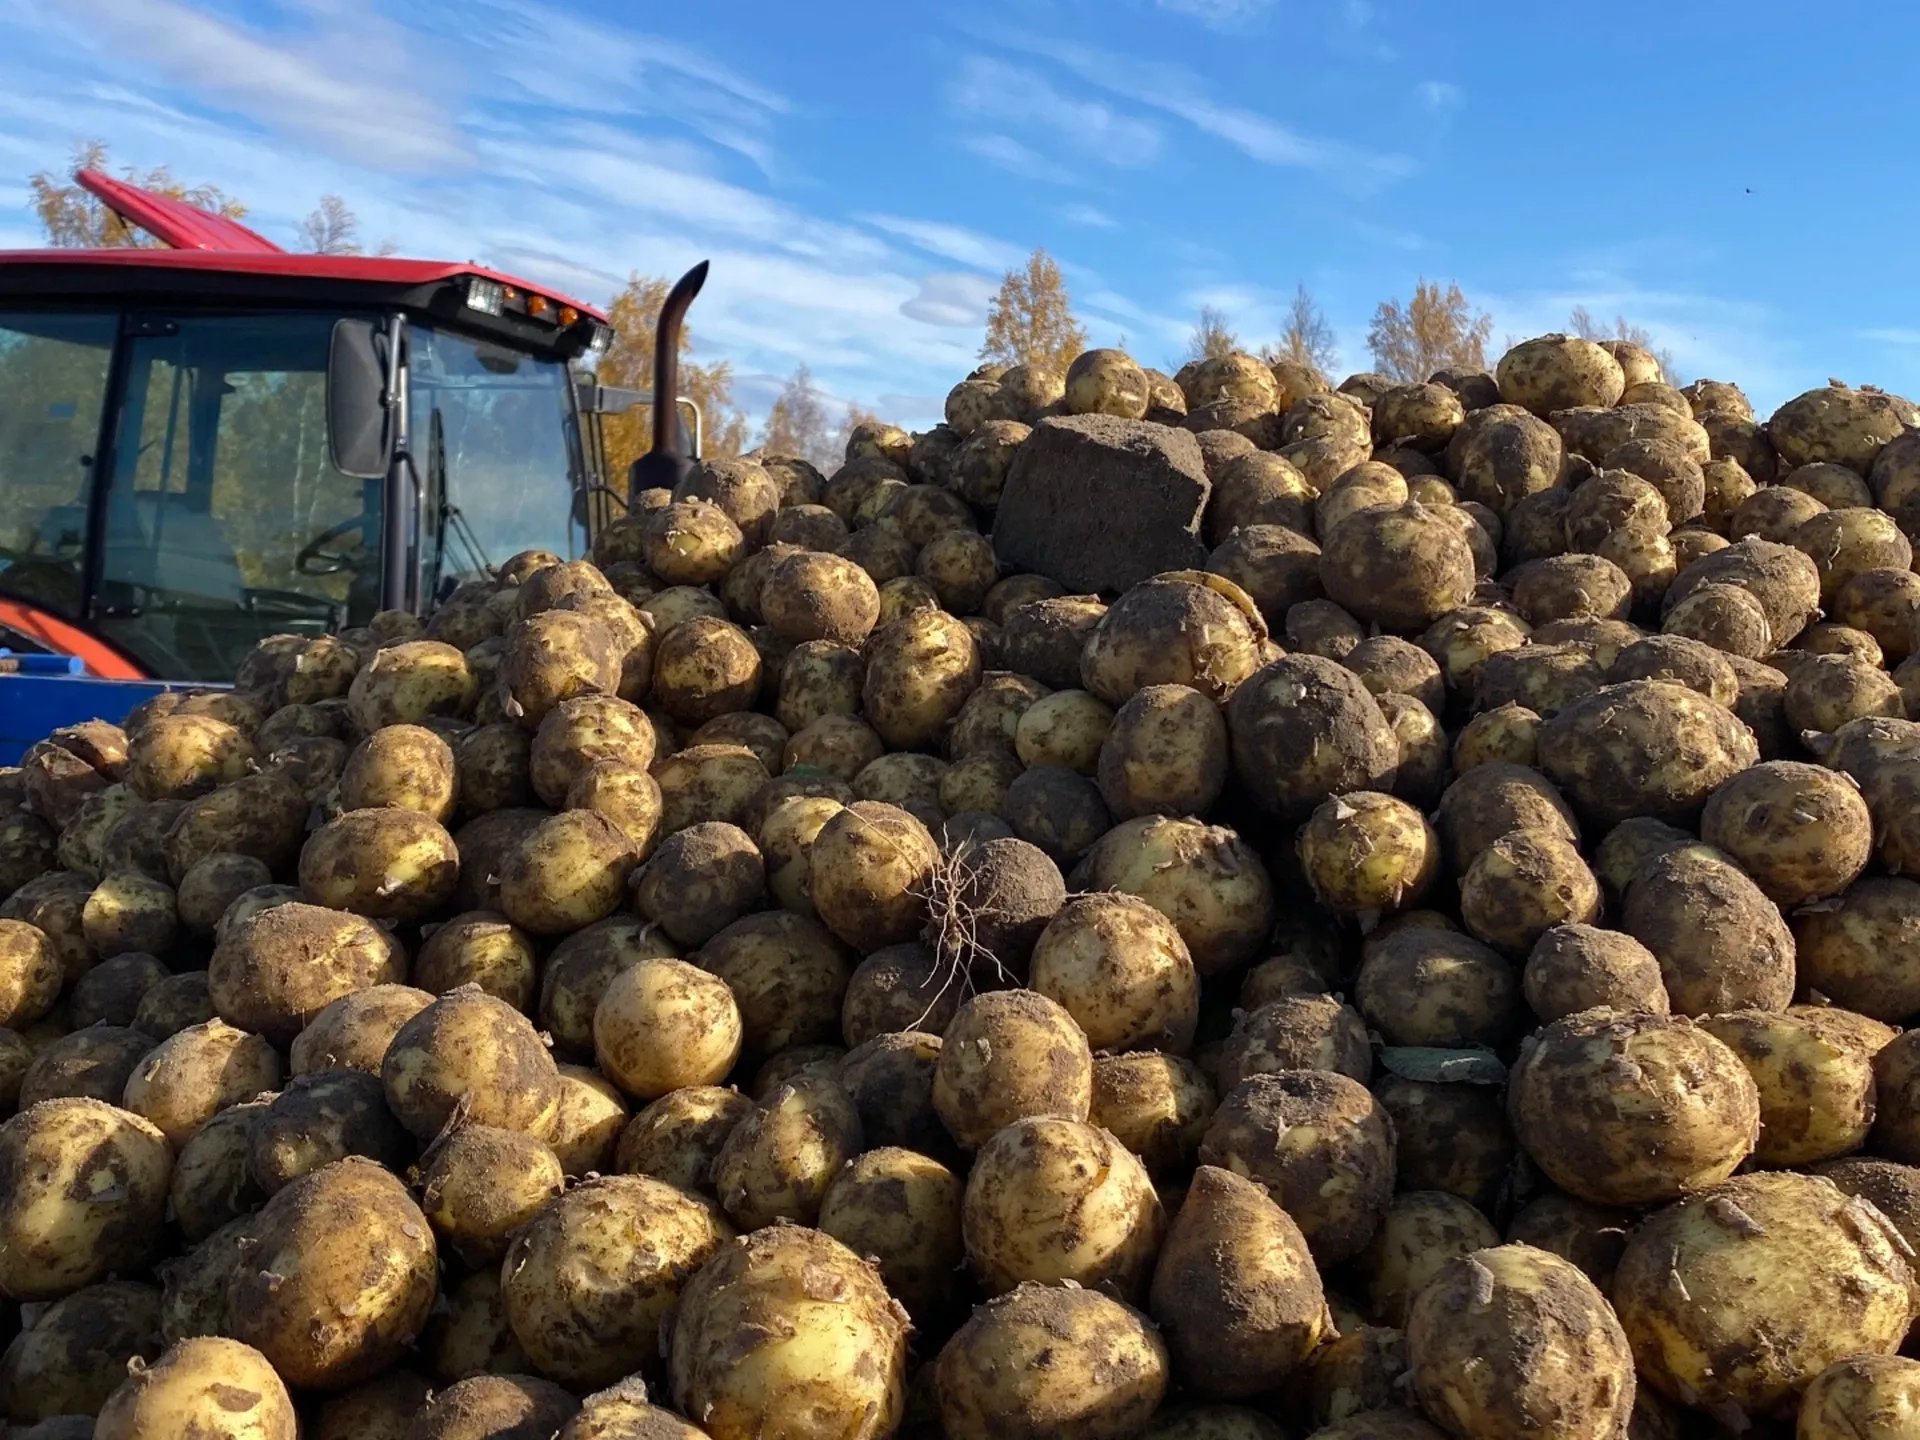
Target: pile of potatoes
1438, 971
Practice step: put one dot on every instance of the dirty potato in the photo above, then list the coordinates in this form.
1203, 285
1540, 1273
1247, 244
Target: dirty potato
1007, 1055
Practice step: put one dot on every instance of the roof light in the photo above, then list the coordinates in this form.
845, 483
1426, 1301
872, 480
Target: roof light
538, 305
602, 340
568, 315
489, 297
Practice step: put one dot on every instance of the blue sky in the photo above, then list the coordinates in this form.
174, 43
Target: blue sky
1739, 178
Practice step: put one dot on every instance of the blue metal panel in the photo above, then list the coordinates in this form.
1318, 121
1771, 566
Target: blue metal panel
33, 706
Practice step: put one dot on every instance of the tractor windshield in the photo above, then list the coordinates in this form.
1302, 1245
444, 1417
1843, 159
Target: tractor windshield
496, 445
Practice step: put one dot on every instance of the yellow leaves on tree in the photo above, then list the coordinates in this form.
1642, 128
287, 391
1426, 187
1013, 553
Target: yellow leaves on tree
1435, 330
1308, 338
628, 364
74, 219
1031, 321
1212, 337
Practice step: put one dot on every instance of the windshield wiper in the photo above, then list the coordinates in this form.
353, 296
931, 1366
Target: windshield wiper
450, 518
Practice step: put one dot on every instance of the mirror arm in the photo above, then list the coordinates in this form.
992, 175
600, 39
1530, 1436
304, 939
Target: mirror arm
397, 520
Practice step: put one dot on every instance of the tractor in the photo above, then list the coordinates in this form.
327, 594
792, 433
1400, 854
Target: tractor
218, 440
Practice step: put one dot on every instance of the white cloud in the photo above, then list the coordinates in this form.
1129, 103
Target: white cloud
1010, 94
953, 300
1438, 96
348, 78
1221, 14
1089, 215
1010, 155
951, 242
1184, 95
1903, 338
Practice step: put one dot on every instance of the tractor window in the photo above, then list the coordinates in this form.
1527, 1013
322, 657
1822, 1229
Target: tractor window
495, 442
53, 380
226, 520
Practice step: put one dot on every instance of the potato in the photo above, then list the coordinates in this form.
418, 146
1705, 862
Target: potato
1043, 1361
568, 872
1523, 885
1734, 1348
279, 969
78, 1351
1644, 747
1849, 948
1578, 967
1721, 943
1234, 1291
1558, 372
1303, 728
385, 864
838, 745
177, 757
662, 1024
1801, 831
208, 1386
678, 1136
779, 1160
1501, 457
819, 678
1837, 424
1572, 1373
1296, 1032
1106, 382
1044, 640
212, 1183
763, 1324
1058, 810
890, 1081
1156, 1105
378, 1409
1007, 1055
1826, 691
588, 1283
705, 668
469, 1334
188, 1078
483, 844
810, 595
1121, 970
319, 1119
1401, 568
868, 872
899, 987
1320, 1144
1153, 636
667, 608
787, 975
1893, 1189
587, 1126
1591, 1237
1066, 728
353, 1032
1867, 1397
1434, 986
480, 947
903, 1210
31, 974
94, 1062
1355, 1376
483, 1406
707, 783
1784, 580
1205, 879
1508, 734
408, 683
578, 971
692, 542
578, 732
1364, 851
1725, 617
920, 670
1814, 1070
786, 843
1423, 1230
1632, 1109
1258, 488
979, 782
700, 880
473, 1055
1054, 1200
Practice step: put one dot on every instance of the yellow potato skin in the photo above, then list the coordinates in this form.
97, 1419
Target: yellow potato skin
209, 1388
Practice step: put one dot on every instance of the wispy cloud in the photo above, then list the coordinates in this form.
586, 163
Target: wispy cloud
951, 242
953, 300
1438, 97
1220, 14
344, 77
1898, 337
1007, 153
1018, 96
1091, 216
1181, 93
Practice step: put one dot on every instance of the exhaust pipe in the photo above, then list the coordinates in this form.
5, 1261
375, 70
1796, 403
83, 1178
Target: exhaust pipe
664, 466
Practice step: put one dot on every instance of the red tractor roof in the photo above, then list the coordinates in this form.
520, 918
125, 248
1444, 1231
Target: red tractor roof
203, 245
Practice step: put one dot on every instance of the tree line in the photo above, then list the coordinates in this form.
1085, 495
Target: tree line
1030, 321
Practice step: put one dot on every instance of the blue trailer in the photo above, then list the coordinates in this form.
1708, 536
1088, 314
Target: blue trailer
40, 693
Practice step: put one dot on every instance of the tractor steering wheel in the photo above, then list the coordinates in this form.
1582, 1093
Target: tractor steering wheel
314, 559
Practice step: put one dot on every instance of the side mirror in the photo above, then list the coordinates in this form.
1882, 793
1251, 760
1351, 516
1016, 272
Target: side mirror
359, 427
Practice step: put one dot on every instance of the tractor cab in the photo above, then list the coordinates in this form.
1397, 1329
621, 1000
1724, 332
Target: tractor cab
218, 441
